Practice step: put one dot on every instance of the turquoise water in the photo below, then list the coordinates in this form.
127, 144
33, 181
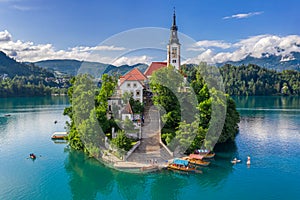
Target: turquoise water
269, 133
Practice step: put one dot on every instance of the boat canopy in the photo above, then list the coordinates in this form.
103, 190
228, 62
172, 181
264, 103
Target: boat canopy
181, 162
196, 156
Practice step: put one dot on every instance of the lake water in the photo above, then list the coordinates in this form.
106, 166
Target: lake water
269, 133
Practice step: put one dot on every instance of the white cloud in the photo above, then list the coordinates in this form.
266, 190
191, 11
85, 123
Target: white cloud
255, 46
23, 8
201, 45
5, 36
97, 48
132, 60
28, 51
208, 51
243, 15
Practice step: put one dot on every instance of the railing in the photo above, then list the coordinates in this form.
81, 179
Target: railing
160, 141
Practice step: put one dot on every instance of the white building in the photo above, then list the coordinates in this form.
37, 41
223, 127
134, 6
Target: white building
133, 82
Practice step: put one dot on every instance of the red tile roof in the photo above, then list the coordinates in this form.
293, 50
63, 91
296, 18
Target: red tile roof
127, 109
154, 66
134, 75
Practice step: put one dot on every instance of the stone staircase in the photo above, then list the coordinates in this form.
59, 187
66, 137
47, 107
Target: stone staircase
150, 150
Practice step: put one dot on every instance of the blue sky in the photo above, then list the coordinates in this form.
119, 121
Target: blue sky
67, 24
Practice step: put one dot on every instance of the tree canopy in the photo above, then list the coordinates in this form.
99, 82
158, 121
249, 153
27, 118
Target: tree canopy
204, 98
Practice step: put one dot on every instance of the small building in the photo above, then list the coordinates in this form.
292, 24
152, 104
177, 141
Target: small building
127, 112
133, 82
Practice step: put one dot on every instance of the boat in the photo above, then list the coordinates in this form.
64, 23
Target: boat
32, 156
182, 165
196, 159
59, 135
235, 160
7, 115
206, 153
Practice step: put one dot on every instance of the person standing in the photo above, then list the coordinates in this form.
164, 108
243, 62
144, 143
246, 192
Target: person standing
248, 160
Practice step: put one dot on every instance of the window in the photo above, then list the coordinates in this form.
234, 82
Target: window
173, 61
128, 84
134, 85
137, 93
174, 52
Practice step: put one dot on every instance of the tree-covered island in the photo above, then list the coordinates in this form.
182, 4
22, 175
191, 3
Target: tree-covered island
197, 108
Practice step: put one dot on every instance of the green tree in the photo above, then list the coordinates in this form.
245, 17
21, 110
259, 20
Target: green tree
122, 141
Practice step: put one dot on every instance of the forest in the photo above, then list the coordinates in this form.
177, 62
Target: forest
23, 86
253, 80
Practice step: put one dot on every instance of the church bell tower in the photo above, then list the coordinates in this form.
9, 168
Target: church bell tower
173, 57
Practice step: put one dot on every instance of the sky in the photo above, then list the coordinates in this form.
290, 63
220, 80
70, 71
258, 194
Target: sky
117, 31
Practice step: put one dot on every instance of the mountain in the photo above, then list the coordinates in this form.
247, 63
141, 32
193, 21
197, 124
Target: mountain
123, 69
96, 69
12, 68
269, 61
68, 66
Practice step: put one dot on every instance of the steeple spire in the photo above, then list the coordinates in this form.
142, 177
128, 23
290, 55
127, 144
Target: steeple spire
174, 27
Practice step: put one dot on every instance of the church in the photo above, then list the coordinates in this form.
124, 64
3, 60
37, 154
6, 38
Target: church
135, 82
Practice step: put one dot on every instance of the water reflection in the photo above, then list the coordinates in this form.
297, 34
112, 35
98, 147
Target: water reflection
131, 186
269, 102
13, 103
168, 185
87, 177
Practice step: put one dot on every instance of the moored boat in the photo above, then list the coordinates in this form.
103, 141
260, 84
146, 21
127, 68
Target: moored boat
197, 161
205, 153
59, 135
182, 165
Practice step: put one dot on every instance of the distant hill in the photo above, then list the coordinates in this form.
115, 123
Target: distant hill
74, 67
12, 68
269, 61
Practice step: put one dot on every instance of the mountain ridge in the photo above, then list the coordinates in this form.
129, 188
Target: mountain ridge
72, 67
11, 68
270, 61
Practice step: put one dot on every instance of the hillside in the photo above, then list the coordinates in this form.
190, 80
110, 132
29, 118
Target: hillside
12, 68
96, 69
278, 63
253, 80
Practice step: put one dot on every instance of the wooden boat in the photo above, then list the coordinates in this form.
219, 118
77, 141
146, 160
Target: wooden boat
196, 161
182, 165
7, 115
199, 162
59, 135
205, 153
209, 155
